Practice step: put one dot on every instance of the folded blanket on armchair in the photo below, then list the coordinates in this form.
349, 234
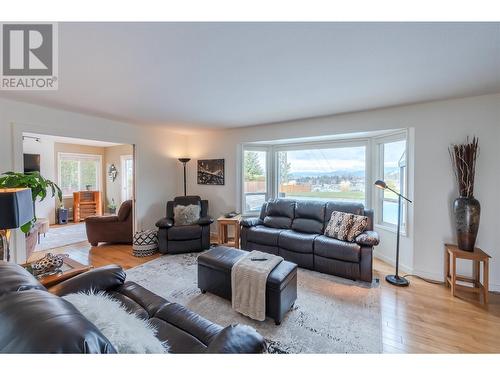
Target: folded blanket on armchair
248, 283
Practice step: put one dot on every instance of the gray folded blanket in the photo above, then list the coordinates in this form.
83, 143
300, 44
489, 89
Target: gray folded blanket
248, 282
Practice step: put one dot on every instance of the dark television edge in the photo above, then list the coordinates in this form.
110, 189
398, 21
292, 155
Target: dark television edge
31, 163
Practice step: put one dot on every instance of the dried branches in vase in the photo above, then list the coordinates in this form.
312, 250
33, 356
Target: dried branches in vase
466, 208
464, 157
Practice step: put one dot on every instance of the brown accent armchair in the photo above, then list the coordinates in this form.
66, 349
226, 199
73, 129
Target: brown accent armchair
115, 229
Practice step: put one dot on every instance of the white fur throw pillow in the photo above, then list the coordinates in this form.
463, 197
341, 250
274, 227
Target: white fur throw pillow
126, 332
186, 215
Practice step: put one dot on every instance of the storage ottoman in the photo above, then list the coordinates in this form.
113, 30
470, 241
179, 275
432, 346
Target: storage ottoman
214, 276
145, 243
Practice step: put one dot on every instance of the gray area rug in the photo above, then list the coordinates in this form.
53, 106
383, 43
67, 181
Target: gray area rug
61, 236
331, 315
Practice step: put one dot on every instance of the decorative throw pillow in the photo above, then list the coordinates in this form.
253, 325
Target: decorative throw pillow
186, 215
339, 225
359, 224
128, 333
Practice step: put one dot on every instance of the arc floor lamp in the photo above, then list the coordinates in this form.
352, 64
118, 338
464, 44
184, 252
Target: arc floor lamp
395, 279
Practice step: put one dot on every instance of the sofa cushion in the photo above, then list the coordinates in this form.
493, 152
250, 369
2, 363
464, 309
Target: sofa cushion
281, 207
278, 222
188, 321
296, 241
263, 235
279, 213
332, 248
351, 208
184, 232
339, 225
309, 217
148, 300
359, 224
124, 210
186, 215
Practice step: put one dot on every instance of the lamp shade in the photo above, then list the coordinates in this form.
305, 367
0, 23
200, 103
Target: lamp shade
16, 208
184, 160
380, 184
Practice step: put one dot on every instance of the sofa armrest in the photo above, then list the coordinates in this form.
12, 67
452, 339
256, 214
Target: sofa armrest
250, 222
165, 223
237, 339
102, 278
205, 220
368, 238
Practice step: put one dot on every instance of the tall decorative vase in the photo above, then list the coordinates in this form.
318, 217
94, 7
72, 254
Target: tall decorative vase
467, 214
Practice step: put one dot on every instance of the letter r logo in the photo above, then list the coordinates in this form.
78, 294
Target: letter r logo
27, 50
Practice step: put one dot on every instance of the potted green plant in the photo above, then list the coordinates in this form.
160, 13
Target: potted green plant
112, 207
40, 188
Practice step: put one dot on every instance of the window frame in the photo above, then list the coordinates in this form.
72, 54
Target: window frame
267, 171
68, 155
378, 198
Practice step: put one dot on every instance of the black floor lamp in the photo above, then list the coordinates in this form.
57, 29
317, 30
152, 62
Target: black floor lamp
395, 279
184, 161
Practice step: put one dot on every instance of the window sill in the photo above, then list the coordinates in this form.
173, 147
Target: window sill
391, 229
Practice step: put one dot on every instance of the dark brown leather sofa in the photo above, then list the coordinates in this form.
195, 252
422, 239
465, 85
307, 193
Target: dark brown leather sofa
174, 239
113, 229
36, 320
294, 230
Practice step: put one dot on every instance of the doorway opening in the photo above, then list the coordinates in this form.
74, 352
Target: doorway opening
95, 178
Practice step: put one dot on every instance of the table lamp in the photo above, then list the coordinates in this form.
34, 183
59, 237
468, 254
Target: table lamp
16, 209
395, 279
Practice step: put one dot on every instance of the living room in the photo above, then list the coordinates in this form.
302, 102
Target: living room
335, 197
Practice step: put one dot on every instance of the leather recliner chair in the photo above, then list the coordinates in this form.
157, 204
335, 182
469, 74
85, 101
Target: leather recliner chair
294, 230
114, 229
36, 320
174, 239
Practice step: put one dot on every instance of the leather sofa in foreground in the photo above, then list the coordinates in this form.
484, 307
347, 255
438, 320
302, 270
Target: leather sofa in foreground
36, 320
294, 230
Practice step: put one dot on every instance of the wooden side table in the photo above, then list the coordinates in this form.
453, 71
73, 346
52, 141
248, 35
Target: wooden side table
452, 253
223, 223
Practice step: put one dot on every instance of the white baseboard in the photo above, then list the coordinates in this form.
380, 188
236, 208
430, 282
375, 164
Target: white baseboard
434, 276
404, 268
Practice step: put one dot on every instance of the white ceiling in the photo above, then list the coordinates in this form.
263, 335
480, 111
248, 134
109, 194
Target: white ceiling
219, 75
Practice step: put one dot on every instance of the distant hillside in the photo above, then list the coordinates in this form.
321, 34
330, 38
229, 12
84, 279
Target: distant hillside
341, 172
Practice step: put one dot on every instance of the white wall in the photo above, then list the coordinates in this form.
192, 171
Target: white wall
435, 126
45, 148
157, 173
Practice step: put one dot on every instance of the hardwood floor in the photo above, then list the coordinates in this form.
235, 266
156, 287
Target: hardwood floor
422, 318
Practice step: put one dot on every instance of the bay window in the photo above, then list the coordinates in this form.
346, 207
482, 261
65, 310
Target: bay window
341, 169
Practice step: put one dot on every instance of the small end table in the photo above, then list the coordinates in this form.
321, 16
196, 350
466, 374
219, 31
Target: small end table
223, 223
452, 253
